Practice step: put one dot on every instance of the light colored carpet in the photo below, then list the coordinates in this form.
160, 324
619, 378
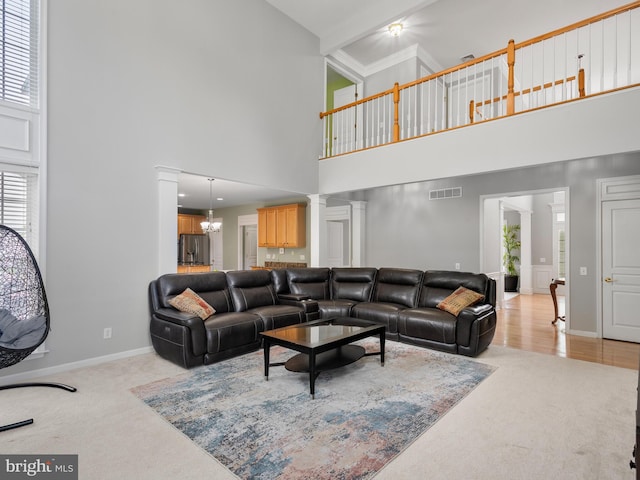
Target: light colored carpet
362, 417
536, 417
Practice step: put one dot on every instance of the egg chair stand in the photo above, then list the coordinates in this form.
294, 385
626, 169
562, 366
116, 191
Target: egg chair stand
24, 310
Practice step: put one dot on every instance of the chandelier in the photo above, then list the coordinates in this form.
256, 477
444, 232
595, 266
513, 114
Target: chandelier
209, 225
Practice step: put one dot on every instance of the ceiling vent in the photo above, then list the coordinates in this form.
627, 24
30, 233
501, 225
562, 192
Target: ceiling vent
445, 193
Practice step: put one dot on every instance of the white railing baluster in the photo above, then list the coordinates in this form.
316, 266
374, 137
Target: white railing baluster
547, 70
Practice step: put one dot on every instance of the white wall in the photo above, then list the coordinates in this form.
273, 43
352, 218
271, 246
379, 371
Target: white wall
406, 229
139, 83
595, 126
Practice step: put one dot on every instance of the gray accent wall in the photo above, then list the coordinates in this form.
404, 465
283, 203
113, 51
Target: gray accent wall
406, 229
222, 88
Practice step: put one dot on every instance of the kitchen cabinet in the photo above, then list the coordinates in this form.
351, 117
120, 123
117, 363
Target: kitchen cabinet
190, 223
282, 226
267, 220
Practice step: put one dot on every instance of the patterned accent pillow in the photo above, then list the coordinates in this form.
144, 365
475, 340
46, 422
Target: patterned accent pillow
190, 302
459, 300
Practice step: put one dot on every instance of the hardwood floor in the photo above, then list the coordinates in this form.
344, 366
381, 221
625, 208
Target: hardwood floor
525, 323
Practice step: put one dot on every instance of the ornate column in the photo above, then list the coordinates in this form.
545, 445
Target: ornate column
167, 219
358, 211
526, 269
317, 230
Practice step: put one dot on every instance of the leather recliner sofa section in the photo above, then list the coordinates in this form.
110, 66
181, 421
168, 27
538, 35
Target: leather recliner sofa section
427, 326
187, 340
405, 301
249, 302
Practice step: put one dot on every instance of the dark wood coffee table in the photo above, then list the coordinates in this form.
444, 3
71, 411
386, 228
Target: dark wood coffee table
323, 345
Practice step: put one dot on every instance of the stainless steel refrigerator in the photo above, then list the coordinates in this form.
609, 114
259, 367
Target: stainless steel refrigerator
193, 249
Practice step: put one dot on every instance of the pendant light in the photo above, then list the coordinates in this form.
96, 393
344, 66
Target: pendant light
209, 225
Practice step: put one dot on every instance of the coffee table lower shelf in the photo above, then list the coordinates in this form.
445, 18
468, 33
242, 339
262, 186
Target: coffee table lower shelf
336, 358
322, 345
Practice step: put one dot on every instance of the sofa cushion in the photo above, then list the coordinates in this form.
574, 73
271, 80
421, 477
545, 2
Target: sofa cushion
190, 302
276, 316
230, 330
251, 288
210, 286
460, 299
335, 308
438, 285
429, 324
398, 286
311, 282
352, 283
378, 312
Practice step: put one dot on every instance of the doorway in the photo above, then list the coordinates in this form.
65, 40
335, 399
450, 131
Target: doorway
247, 241
544, 219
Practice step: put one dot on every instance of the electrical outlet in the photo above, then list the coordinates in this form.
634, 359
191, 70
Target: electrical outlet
583, 270
281, 251
107, 333
457, 266
302, 257
543, 260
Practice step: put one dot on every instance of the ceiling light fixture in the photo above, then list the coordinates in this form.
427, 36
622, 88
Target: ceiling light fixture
395, 29
209, 225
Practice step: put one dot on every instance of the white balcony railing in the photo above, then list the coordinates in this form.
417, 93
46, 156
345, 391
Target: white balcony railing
597, 55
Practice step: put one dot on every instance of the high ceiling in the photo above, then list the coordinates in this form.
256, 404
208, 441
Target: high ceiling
446, 30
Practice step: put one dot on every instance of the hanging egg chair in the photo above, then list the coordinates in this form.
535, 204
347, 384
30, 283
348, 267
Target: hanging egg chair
24, 311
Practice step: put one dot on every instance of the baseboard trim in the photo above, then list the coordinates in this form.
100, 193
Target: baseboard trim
582, 333
90, 362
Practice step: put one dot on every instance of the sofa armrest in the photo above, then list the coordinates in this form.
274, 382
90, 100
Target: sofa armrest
466, 319
307, 305
193, 323
296, 297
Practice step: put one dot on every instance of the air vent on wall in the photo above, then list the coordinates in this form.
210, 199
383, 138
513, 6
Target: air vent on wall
445, 193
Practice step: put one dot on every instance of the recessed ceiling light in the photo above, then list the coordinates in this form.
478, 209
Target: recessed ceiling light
219, 198
181, 194
395, 29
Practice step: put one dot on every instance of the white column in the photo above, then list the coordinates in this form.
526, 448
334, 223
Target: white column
167, 219
358, 210
526, 269
318, 230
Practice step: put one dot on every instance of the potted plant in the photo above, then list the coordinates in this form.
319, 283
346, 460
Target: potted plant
511, 245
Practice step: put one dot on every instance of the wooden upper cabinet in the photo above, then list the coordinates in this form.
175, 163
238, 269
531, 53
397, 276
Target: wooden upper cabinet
189, 223
282, 226
292, 229
267, 218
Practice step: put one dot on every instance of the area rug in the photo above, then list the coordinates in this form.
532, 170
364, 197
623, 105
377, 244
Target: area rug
363, 415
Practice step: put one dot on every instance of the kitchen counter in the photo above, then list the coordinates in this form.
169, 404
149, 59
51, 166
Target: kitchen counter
272, 265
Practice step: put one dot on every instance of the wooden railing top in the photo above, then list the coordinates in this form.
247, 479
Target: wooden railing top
497, 53
582, 23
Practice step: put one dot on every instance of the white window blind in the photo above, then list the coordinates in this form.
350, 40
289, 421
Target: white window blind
18, 201
19, 38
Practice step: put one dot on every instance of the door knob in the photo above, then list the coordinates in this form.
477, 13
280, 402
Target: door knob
608, 280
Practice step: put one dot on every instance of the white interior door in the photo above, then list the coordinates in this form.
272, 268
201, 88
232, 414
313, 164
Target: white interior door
621, 270
250, 247
335, 244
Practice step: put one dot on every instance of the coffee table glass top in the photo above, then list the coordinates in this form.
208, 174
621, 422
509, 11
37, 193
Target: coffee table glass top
316, 333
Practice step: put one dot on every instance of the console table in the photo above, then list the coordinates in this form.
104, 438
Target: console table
552, 288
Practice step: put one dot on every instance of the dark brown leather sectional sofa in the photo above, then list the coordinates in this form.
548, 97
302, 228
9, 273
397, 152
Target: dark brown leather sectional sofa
249, 302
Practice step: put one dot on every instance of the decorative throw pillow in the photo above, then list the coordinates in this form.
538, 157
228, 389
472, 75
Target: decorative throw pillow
459, 300
190, 302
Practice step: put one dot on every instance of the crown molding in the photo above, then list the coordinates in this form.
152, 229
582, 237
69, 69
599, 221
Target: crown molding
411, 52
